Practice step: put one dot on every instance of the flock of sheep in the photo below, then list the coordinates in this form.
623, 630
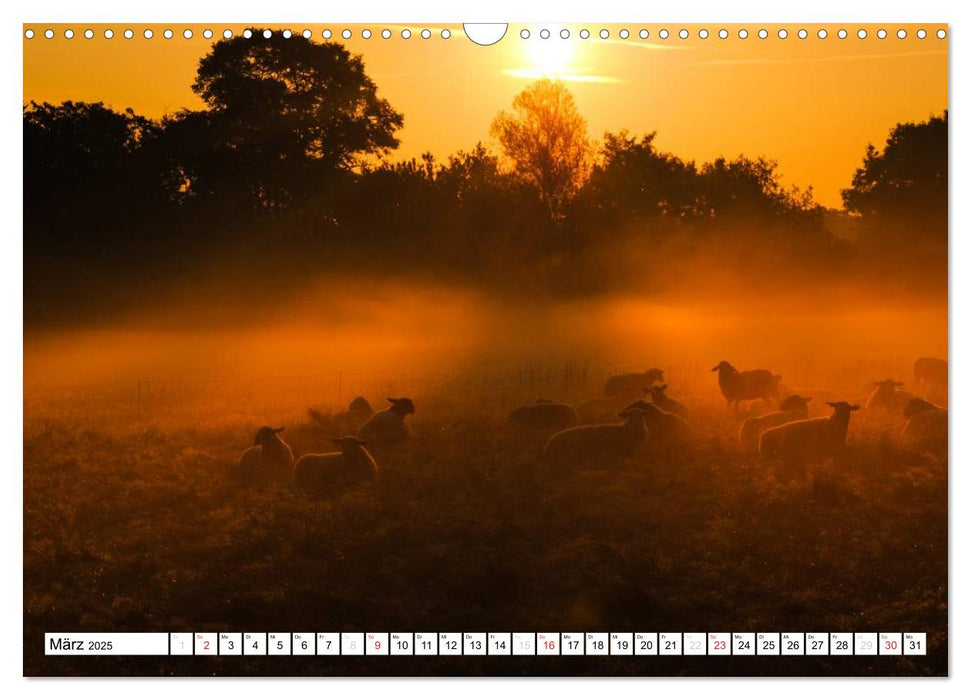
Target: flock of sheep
589, 436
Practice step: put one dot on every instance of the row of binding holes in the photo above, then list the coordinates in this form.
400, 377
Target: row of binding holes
724, 34
525, 34
248, 34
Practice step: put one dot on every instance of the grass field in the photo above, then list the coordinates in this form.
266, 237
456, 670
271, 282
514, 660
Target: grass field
133, 522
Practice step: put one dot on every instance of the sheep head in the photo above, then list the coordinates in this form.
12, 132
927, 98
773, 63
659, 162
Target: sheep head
266, 434
794, 402
842, 406
402, 406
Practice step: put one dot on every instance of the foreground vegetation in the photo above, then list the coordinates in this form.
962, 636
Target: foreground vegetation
138, 525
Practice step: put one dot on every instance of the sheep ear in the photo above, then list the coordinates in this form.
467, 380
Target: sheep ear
393, 400
715, 368
663, 387
278, 430
360, 441
808, 399
854, 407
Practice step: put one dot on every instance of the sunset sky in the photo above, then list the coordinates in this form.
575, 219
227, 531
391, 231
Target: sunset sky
811, 104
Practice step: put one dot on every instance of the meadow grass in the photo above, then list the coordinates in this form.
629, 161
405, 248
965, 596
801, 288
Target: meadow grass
136, 523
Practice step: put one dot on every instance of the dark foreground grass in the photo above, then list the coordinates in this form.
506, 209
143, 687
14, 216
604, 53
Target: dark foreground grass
141, 528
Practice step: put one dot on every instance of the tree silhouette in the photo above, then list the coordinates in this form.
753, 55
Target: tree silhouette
900, 196
546, 139
908, 177
283, 112
633, 182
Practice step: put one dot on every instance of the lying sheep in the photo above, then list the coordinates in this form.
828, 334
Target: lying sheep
662, 427
930, 376
543, 415
269, 460
752, 384
632, 384
358, 411
598, 446
926, 423
660, 399
810, 439
793, 407
388, 428
333, 473
886, 397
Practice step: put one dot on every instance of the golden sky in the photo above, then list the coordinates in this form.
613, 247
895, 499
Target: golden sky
811, 104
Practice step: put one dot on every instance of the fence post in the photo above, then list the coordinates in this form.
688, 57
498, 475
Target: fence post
138, 403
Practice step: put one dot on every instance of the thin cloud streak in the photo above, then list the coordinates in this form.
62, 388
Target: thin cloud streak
565, 76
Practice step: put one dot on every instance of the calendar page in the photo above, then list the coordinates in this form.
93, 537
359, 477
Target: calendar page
485, 350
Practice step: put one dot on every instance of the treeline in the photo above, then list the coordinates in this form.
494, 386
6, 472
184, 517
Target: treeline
288, 172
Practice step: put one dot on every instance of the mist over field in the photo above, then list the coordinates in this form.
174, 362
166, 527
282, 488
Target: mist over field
828, 335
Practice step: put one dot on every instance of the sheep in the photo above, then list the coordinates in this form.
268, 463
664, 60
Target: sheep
598, 445
358, 411
752, 384
269, 460
333, 473
662, 427
926, 423
660, 399
809, 439
793, 407
603, 409
388, 428
886, 397
632, 384
543, 414
930, 375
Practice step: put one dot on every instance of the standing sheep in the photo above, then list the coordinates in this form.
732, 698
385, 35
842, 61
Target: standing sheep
660, 399
886, 397
926, 423
810, 439
543, 415
598, 446
333, 473
752, 384
793, 407
269, 460
388, 428
632, 384
930, 375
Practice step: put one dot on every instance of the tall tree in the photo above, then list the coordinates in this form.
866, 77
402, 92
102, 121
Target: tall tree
282, 111
546, 140
902, 189
899, 198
